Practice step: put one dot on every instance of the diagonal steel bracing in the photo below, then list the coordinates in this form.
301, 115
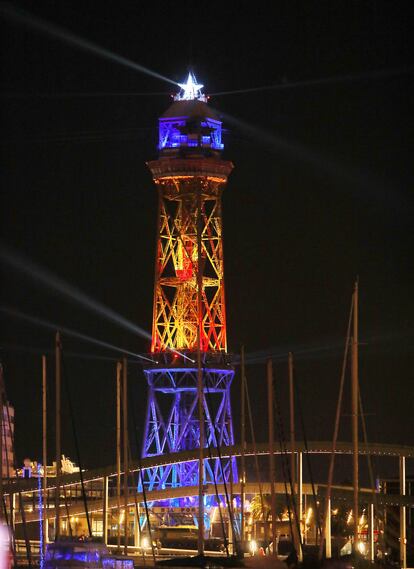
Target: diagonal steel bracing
172, 423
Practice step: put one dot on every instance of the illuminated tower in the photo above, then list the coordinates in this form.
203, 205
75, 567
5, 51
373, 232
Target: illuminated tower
189, 300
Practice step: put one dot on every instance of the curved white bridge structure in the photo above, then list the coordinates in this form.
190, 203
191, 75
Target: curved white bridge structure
99, 500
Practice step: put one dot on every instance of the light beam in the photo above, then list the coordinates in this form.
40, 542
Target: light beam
350, 77
357, 181
68, 332
57, 284
52, 30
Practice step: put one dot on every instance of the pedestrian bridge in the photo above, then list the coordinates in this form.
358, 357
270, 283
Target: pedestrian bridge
100, 483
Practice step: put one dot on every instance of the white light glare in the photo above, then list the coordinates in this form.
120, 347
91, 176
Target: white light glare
361, 547
190, 90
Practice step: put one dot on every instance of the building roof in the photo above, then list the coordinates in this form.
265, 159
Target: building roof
191, 109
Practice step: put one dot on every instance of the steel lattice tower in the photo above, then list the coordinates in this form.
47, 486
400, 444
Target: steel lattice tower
190, 176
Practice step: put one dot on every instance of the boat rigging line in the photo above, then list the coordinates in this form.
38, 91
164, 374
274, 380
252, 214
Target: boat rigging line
226, 544
369, 458
137, 513
76, 441
308, 459
220, 458
65, 499
256, 459
287, 474
140, 476
336, 428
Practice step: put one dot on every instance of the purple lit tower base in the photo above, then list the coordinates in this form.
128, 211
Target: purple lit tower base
172, 423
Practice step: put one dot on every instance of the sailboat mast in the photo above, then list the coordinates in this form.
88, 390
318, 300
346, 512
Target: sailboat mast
44, 449
271, 452
125, 429
58, 433
292, 424
243, 448
118, 451
354, 412
296, 538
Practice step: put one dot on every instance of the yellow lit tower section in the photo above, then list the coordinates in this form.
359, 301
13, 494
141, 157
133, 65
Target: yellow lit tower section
189, 174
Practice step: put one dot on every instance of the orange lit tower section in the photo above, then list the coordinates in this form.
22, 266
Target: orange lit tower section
189, 300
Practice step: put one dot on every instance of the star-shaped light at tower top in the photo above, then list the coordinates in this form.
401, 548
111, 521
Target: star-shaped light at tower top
190, 90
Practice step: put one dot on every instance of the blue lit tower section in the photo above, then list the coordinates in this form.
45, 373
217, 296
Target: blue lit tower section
190, 176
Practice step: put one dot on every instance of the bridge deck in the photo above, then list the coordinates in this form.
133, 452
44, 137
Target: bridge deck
313, 447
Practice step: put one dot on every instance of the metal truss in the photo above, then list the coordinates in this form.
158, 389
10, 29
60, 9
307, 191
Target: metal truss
172, 425
190, 177
175, 318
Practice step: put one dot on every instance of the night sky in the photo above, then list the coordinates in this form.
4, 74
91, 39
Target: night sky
321, 192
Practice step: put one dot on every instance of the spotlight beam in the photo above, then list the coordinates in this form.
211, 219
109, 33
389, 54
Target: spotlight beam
56, 284
69, 354
68, 332
357, 181
350, 77
52, 30
294, 150
311, 353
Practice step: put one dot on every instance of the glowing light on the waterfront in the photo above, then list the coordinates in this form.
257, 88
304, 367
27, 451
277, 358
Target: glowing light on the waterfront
361, 547
190, 90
